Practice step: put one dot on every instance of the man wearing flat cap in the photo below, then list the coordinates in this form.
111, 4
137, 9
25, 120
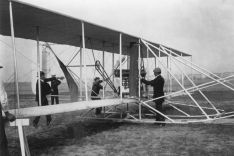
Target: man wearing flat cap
157, 83
95, 93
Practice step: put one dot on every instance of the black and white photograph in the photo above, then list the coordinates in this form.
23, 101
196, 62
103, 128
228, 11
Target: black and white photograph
116, 78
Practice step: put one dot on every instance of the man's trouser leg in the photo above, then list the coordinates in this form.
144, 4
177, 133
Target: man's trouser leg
57, 99
158, 105
52, 100
36, 120
48, 117
3, 139
99, 109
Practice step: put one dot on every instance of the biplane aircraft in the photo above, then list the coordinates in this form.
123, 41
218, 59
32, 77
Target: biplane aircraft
26, 21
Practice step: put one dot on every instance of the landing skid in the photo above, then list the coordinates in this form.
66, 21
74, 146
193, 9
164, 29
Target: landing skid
117, 114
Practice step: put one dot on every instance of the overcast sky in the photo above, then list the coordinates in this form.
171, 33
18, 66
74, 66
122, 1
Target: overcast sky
202, 28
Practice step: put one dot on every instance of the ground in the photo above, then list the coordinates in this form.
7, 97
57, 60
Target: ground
71, 136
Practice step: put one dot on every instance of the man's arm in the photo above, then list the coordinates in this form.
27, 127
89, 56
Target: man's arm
4, 103
147, 82
49, 79
61, 77
58, 82
53, 78
3, 98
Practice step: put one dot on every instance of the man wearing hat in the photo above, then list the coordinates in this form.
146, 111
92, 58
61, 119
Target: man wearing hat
8, 117
158, 84
45, 90
95, 92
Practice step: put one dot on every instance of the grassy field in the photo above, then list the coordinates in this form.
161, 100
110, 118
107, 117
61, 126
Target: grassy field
71, 136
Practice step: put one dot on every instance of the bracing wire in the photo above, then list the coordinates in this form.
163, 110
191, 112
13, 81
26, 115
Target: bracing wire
103, 73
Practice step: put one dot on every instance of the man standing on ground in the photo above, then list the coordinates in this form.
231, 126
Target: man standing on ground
54, 86
158, 84
45, 90
95, 92
8, 117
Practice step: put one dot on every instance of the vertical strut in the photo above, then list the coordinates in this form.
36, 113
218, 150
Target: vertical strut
139, 68
14, 52
85, 67
120, 55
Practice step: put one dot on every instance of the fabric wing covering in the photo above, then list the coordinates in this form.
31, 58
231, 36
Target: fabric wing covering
59, 28
73, 88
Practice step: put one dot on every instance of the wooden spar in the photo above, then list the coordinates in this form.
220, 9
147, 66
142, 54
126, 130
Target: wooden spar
38, 66
201, 86
205, 97
183, 112
139, 68
188, 105
81, 65
67, 107
85, 68
159, 55
89, 65
139, 75
191, 59
147, 70
176, 121
155, 62
14, 52
21, 137
146, 44
113, 67
20, 128
74, 57
197, 68
120, 67
182, 75
155, 110
168, 86
170, 68
103, 64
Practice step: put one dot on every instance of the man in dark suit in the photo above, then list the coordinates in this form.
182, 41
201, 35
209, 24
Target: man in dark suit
45, 90
158, 84
54, 86
95, 92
